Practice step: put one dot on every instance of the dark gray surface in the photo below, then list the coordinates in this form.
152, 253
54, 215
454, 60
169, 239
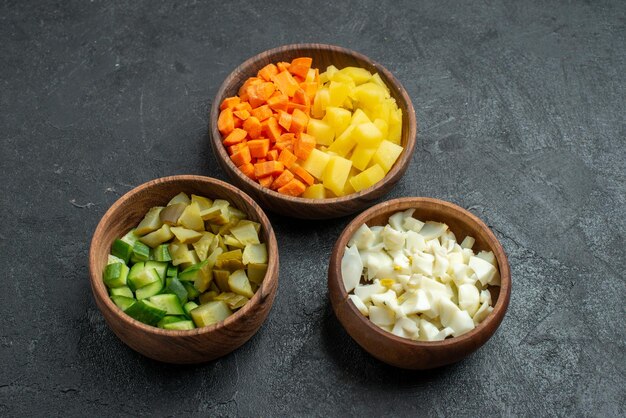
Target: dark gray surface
521, 109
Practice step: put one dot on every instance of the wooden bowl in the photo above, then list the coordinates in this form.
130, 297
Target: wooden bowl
192, 346
323, 56
402, 352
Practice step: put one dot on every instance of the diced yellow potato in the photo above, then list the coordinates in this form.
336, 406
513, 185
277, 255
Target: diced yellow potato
343, 78
386, 155
370, 95
348, 104
357, 74
157, 237
344, 143
315, 191
361, 156
336, 174
310, 76
320, 103
347, 188
185, 235
338, 118
367, 134
191, 219
377, 80
239, 283
210, 313
316, 163
338, 92
359, 117
367, 178
324, 133
330, 72
382, 126
395, 126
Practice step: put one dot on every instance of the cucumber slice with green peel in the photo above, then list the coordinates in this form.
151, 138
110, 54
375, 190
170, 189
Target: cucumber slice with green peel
161, 253
123, 302
192, 292
115, 275
192, 273
111, 259
173, 285
189, 306
146, 312
180, 325
122, 249
169, 319
149, 290
130, 237
169, 303
141, 276
122, 291
172, 271
160, 267
141, 252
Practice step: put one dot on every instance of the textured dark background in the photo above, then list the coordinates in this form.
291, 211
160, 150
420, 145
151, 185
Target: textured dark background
521, 108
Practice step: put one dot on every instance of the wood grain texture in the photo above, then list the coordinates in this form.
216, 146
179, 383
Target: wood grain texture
323, 56
402, 352
201, 344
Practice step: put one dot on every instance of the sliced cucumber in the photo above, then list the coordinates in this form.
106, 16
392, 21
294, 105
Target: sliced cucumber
172, 271
192, 292
146, 312
210, 313
160, 267
189, 306
180, 325
141, 276
149, 290
169, 319
162, 253
115, 275
123, 302
169, 303
122, 291
141, 252
122, 249
173, 285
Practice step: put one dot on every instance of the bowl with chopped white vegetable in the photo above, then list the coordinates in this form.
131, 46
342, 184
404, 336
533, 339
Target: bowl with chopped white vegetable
418, 282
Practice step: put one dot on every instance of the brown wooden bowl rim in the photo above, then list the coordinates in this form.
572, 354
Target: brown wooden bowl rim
404, 159
266, 288
410, 202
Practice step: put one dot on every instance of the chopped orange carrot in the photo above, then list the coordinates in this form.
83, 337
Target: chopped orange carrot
260, 160
284, 119
310, 89
303, 145
299, 121
229, 102
268, 168
253, 127
303, 174
259, 93
287, 158
235, 137
248, 170
242, 157
267, 72
283, 66
272, 130
285, 83
259, 147
243, 95
294, 188
301, 97
298, 79
233, 149
237, 122
272, 155
266, 181
225, 122
278, 102
262, 112
242, 114
285, 142
243, 106
284, 178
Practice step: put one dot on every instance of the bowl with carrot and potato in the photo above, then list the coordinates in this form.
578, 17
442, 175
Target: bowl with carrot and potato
313, 131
